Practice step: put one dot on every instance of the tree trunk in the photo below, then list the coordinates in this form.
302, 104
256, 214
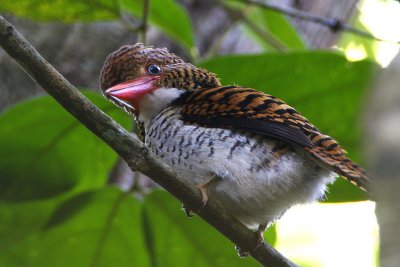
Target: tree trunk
383, 150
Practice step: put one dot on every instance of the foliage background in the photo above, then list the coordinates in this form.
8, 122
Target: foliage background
57, 204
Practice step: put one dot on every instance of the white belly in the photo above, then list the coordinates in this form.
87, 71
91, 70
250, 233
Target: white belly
254, 186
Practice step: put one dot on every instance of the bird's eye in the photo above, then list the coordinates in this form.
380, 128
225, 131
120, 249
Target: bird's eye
154, 69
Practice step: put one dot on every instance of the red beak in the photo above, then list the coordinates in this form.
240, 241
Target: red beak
129, 93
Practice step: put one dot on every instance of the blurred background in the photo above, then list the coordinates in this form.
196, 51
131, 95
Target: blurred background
67, 200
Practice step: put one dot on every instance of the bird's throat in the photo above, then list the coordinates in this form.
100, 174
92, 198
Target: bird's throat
153, 103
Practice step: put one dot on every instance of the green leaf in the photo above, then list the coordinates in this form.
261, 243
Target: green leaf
276, 24
167, 15
21, 220
107, 227
46, 152
343, 191
279, 26
171, 235
323, 86
171, 17
62, 10
105, 231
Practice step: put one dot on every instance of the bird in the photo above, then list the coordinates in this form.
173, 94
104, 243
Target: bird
249, 151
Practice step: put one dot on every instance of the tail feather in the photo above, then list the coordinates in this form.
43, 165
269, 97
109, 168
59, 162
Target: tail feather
330, 152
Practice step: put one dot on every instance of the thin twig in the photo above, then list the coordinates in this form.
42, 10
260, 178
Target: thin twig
236, 15
129, 147
139, 27
269, 38
145, 15
130, 26
332, 23
217, 43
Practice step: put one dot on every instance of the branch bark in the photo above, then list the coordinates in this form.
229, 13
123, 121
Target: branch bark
129, 147
334, 23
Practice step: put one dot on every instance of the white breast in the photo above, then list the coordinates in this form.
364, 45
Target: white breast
152, 103
255, 186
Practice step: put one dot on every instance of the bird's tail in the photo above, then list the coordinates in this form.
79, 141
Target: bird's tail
336, 158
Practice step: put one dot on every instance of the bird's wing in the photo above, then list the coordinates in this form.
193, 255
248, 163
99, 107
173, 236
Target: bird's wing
253, 111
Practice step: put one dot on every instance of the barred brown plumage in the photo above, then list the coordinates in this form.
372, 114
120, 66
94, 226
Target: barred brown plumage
233, 102
122, 64
129, 61
250, 151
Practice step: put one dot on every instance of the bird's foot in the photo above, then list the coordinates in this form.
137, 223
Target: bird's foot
260, 235
260, 241
204, 194
204, 190
187, 211
243, 253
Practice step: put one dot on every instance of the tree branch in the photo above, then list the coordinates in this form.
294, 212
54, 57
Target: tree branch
129, 147
332, 23
240, 15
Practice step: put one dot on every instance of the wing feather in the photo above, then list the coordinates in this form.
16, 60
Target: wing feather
253, 111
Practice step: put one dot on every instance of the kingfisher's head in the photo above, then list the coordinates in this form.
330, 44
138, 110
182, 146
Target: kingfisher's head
134, 71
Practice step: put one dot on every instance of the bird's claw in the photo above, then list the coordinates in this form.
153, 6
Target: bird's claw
189, 213
204, 194
260, 235
260, 241
204, 190
243, 253
204, 197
